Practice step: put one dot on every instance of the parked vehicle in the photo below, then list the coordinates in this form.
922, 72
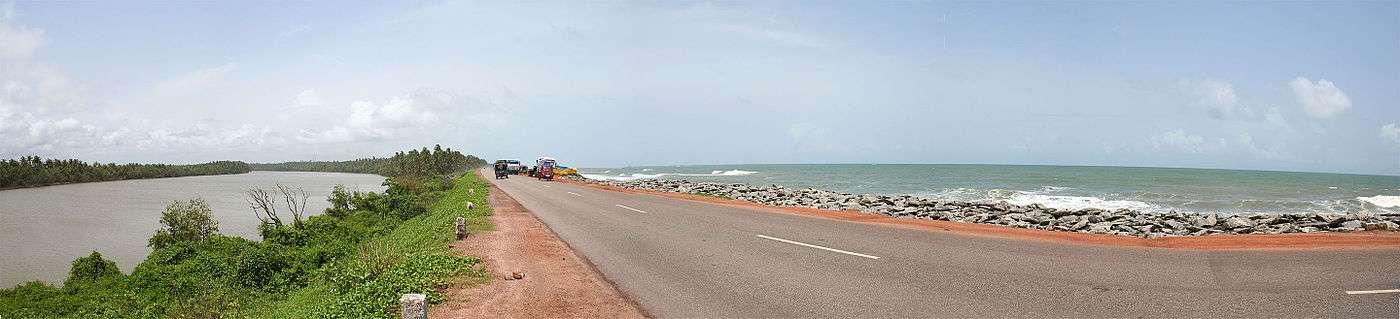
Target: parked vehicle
514, 166
502, 169
544, 168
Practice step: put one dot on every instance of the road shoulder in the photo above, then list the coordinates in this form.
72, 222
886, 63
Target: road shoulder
556, 283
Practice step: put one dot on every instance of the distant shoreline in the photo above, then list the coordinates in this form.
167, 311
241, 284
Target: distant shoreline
115, 180
168, 177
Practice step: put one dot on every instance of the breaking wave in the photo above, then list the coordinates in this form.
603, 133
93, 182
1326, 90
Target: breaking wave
1382, 200
1077, 202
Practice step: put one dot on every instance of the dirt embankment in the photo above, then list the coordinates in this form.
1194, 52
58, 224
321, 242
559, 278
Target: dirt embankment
1353, 240
556, 282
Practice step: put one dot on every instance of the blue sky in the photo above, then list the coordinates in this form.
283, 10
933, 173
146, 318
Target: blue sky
1306, 86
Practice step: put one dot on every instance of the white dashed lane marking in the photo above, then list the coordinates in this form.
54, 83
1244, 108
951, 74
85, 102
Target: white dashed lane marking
1367, 292
631, 209
818, 247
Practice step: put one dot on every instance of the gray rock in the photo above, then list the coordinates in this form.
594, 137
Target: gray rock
1235, 222
1208, 220
1034, 216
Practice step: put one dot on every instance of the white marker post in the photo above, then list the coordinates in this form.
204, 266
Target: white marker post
413, 306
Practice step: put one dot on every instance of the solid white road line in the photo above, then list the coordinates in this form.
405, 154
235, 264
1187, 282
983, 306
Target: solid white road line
818, 247
575, 194
1367, 292
631, 209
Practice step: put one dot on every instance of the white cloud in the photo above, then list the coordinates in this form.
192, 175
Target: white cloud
17, 42
308, 98
1217, 97
1391, 132
1320, 99
1243, 143
1182, 141
1273, 152
370, 121
36, 100
1276, 119
193, 82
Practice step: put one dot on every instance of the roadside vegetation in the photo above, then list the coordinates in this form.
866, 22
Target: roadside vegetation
410, 163
352, 261
32, 171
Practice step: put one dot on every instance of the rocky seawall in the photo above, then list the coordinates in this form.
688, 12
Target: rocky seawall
1125, 222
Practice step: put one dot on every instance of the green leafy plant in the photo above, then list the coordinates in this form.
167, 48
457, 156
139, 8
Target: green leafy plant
184, 221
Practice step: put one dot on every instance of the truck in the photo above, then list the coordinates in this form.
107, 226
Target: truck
544, 168
514, 166
502, 169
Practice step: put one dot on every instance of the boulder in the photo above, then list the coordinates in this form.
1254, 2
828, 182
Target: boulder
1174, 224
1207, 220
1101, 228
1236, 222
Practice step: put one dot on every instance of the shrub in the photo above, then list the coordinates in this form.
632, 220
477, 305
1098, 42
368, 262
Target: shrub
91, 268
184, 221
340, 202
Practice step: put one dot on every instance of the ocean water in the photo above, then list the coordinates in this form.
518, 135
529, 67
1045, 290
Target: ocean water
1147, 189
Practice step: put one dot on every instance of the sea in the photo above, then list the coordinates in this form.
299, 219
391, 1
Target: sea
1068, 187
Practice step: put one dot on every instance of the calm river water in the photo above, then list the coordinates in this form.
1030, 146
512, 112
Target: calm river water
42, 230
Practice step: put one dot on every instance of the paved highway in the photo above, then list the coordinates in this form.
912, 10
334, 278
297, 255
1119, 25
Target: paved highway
680, 258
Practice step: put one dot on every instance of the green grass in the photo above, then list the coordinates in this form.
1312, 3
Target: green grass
413, 258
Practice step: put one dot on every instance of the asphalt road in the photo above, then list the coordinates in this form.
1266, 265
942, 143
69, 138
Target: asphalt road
680, 258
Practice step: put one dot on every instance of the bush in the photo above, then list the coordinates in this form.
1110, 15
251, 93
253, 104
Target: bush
340, 202
184, 221
91, 268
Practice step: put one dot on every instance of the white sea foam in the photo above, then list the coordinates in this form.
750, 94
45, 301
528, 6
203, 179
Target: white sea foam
1076, 202
736, 172
1382, 200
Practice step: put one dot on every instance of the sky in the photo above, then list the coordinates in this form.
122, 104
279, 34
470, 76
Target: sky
1297, 86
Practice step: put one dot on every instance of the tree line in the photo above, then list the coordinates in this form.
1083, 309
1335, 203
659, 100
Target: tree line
33, 171
352, 261
424, 162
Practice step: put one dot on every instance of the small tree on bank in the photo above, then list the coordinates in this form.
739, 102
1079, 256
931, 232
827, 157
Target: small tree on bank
91, 268
185, 221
